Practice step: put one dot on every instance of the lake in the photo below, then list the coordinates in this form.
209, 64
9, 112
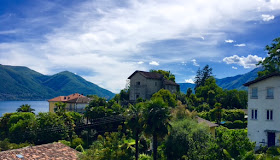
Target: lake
11, 106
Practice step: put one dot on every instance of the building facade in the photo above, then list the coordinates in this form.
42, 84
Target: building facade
74, 102
145, 84
263, 110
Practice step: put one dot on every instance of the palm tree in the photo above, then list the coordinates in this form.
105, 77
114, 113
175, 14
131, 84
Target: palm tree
25, 108
156, 121
135, 122
60, 108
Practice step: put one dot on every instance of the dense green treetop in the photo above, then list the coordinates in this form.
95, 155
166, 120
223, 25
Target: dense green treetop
25, 108
167, 97
271, 63
167, 74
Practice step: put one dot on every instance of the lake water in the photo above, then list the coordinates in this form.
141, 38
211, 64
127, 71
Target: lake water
11, 106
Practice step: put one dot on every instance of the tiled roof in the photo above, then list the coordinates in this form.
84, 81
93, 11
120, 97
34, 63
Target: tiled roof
66, 98
52, 151
81, 99
209, 124
169, 82
261, 78
149, 75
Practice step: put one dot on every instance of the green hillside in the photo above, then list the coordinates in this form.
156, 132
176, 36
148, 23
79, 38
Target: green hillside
22, 83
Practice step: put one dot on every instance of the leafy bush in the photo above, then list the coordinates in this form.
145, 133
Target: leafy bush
188, 138
238, 124
228, 124
76, 142
6, 145
67, 143
145, 157
233, 114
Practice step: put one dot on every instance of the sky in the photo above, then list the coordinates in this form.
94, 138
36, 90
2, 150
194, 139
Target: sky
105, 41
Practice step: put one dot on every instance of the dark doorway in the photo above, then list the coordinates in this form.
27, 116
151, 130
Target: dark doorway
270, 139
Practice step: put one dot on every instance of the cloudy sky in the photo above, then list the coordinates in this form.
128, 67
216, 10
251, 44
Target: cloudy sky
104, 41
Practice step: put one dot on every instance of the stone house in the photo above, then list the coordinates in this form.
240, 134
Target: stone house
263, 110
74, 102
145, 84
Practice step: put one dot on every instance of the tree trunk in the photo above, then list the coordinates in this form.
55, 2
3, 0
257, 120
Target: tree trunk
136, 144
155, 145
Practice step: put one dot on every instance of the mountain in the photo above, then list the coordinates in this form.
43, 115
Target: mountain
22, 83
235, 82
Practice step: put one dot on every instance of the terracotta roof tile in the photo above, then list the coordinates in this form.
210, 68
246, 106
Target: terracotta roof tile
81, 99
51, 151
66, 98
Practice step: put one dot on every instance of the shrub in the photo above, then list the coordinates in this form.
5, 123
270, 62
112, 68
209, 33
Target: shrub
145, 157
67, 143
228, 124
76, 142
238, 124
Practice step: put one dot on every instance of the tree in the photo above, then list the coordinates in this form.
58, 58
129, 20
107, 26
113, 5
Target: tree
209, 91
25, 108
113, 146
134, 121
46, 122
156, 121
22, 127
188, 139
271, 63
202, 76
189, 92
218, 112
60, 108
234, 142
167, 74
166, 96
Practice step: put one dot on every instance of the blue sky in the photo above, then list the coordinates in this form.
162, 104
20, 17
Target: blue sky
105, 41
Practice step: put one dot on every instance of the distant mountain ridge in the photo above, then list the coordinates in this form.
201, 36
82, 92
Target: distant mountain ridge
22, 83
235, 82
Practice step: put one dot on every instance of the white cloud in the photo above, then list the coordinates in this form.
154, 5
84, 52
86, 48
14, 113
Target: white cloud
240, 45
140, 62
154, 63
234, 67
8, 32
229, 41
247, 62
189, 81
194, 62
267, 17
106, 38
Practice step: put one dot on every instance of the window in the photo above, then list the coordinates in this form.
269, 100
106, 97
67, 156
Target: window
155, 83
138, 83
269, 114
254, 114
270, 93
137, 96
254, 93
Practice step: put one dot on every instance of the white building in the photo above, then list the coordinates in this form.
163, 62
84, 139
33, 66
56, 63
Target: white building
264, 110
